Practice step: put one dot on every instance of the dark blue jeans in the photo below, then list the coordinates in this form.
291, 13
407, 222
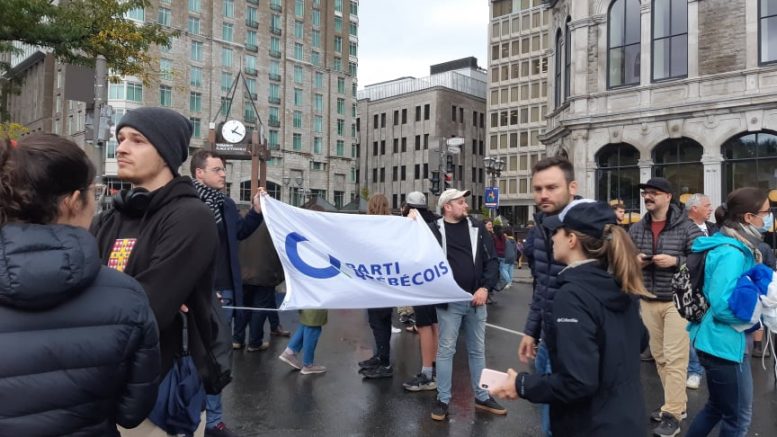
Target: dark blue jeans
256, 297
723, 383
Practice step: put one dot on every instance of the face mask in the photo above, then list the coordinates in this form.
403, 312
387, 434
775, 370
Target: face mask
768, 224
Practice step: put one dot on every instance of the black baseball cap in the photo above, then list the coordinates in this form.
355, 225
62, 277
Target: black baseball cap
583, 215
660, 184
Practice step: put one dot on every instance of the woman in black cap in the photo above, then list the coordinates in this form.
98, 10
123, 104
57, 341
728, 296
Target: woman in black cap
596, 334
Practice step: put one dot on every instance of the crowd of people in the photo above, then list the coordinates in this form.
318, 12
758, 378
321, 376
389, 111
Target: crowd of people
603, 296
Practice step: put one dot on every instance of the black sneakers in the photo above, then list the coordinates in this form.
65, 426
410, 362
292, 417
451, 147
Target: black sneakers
440, 410
420, 383
378, 372
490, 405
370, 363
669, 426
655, 416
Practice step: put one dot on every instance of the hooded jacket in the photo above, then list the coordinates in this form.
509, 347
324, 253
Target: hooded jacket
594, 341
81, 351
675, 240
170, 251
238, 228
726, 261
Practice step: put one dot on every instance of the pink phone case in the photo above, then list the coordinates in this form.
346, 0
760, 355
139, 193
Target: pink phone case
492, 378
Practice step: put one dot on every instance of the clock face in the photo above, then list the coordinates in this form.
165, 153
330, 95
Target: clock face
233, 131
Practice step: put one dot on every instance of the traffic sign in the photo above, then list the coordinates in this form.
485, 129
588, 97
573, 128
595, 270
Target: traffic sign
492, 197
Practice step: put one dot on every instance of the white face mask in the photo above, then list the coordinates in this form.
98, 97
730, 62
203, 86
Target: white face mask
768, 224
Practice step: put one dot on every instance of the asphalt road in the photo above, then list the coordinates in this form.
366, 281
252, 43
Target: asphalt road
268, 398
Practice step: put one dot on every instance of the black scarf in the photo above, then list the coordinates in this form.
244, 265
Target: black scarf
213, 198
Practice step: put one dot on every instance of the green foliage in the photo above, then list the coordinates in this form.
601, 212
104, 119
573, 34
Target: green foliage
79, 30
365, 193
11, 130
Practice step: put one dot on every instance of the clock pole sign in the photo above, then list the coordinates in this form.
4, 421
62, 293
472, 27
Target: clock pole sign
233, 140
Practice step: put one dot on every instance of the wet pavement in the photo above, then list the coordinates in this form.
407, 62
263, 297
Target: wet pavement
269, 398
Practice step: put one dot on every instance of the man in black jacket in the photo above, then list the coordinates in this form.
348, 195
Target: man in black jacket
554, 186
161, 234
663, 238
210, 179
472, 257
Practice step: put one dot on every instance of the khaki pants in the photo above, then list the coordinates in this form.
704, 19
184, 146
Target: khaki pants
148, 429
669, 343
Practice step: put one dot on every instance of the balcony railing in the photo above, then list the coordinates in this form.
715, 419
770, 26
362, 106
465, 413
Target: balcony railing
274, 100
274, 76
275, 53
252, 47
252, 23
253, 2
276, 7
274, 122
250, 71
276, 30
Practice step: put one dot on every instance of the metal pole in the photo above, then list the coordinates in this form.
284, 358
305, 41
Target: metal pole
100, 99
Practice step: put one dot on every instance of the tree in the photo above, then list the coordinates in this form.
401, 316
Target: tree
76, 31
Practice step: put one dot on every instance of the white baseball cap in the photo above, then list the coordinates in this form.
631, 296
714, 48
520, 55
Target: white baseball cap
449, 195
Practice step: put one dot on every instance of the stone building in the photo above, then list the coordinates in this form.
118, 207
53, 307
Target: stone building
517, 98
404, 123
299, 59
683, 89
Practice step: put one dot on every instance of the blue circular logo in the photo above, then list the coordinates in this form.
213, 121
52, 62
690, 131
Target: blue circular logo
292, 241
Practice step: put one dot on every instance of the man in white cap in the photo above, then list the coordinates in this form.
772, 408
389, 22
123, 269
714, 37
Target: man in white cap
464, 240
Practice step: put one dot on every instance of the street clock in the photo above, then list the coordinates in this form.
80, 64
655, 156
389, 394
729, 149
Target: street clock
233, 131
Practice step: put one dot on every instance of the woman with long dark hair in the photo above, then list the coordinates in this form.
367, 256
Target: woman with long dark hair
596, 334
80, 340
720, 346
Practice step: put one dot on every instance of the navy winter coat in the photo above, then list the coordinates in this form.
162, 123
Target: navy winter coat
238, 228
539, 249
79, 341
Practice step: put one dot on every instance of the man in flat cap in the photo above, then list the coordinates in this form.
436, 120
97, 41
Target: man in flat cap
161, 234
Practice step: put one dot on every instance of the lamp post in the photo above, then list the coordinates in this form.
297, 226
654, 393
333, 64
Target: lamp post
494, 168
299, 186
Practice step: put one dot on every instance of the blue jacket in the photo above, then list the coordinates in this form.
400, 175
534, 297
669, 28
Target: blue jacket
238, 228
545, 271
726, 261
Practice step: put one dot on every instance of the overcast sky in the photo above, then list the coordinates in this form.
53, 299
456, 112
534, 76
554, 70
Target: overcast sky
404, 37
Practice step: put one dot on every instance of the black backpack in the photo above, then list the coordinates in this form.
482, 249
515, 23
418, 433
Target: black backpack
688, 288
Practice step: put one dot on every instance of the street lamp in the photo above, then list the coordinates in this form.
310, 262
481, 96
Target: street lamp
298, 186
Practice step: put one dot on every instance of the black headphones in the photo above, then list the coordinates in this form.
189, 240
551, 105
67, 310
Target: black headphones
132, 202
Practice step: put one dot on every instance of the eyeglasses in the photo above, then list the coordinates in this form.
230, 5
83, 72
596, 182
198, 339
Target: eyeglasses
650, 193
762, 213
217, 170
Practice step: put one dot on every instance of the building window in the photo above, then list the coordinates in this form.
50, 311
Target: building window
299, 8
558, 73
226, 57
195, 102
165, 16
297, 97
195, 77
340, 127
298, 51
196, 51
318, 80
767, 31
317, 145
165, 96
624, 43
426, 112
749, 161
193, 25
341, 86
318, 103
679, 160
299, 30
318, 124
226, 81
316, 17
194, 5
340, 148
297, 120
227, 32
567, 59
135, 92
137, 14
617, 175
297, 141
229, 8
670, 39
341, 106
338, 44
338, 25
165, 69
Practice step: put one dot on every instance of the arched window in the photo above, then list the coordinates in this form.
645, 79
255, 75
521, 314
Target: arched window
559, 64
670, 39
623, 46
617, 175
567, 59
679, 160
273, 189
750, 160
767, 31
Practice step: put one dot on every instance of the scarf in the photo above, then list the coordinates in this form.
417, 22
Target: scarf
748, 235
214, 199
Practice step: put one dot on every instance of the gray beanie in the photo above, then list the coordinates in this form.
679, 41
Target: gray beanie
167, 130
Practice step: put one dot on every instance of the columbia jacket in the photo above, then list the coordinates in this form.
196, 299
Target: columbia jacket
79, 341
594, 341
726, 261
545, 271
170, 250
675, 240
485, 261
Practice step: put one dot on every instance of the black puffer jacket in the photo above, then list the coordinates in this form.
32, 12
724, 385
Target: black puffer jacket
545, 270
594, 341
675, 240
81, 350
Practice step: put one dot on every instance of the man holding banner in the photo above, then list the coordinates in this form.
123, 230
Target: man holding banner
472, 258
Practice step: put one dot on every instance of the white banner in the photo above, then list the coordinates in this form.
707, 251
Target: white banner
334, 261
